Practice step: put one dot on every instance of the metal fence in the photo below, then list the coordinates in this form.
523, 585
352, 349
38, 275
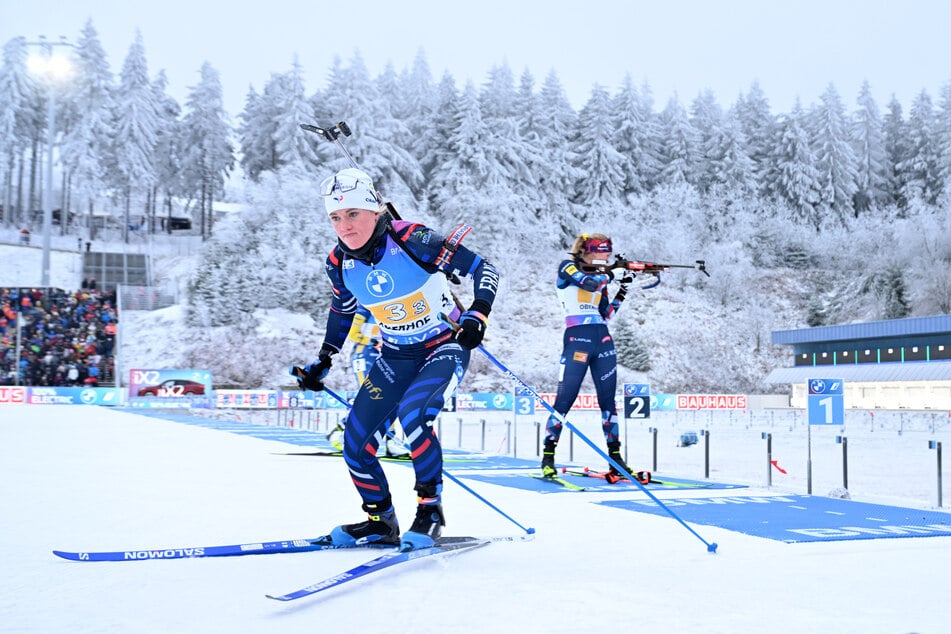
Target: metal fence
144, 298
883, 456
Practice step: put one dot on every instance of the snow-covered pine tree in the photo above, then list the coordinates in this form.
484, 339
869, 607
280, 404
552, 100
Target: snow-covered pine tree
680, 145
797, 179
85, 150
869, 146
134, 141
169, 152
600, 186
919, 167
17, 90
209, 155
835, 160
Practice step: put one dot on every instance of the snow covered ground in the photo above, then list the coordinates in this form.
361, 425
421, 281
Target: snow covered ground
84, 478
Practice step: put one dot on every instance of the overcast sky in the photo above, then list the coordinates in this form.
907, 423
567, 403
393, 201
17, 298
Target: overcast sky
794, 49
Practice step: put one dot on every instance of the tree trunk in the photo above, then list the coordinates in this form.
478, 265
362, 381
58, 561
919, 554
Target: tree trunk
8, 197
211, 209
64, 205
147, 212
19, 206
128, 206
92, 223
204, 235
168, 212
31, 201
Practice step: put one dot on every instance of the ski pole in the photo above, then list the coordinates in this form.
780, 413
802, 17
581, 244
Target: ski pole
528, 531
711, 547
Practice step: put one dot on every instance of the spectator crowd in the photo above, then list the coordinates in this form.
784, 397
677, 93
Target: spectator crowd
67, 339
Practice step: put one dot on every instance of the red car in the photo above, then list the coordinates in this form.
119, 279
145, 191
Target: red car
174, 387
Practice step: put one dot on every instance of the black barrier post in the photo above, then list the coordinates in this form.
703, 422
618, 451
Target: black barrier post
768, 437
936, 445
653, 431
706, 452
842, 440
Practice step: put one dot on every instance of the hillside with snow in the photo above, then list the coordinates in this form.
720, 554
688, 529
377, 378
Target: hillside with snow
253, 299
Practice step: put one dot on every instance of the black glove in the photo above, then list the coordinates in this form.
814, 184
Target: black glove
627, 278
311, 376
472, 325
621, 293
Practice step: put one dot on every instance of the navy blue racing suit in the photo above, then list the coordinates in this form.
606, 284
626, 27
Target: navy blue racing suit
587, 344
421, 363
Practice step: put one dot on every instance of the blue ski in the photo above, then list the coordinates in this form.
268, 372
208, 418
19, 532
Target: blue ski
443, 546
230, 550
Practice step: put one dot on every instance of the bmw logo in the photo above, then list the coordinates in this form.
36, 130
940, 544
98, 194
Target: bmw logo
379, 283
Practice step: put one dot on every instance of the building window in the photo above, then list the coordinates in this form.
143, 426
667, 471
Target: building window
890, 355
804, 359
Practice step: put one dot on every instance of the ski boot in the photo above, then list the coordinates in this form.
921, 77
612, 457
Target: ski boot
396, 448
613, 475
335, 437
548, 459
381, 527
427, 527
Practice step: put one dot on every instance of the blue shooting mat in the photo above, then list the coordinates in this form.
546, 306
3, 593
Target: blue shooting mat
799, 518
526, 482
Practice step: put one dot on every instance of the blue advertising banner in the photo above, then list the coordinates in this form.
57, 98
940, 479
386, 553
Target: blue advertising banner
663, 402
260, 399
73, 396
489, 401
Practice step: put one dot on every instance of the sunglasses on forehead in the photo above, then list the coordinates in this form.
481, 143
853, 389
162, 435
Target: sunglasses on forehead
342, 183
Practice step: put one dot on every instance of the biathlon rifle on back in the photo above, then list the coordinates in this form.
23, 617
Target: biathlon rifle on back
332, 133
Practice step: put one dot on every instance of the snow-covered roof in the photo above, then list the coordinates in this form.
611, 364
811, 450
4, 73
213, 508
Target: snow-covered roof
891, 328
865, 372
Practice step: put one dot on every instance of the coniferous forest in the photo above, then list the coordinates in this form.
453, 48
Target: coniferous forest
833, 212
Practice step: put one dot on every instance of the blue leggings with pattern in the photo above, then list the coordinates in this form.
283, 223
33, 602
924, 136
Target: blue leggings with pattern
587, 347
411, 383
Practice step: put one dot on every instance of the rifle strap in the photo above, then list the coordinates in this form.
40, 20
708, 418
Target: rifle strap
451, 244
